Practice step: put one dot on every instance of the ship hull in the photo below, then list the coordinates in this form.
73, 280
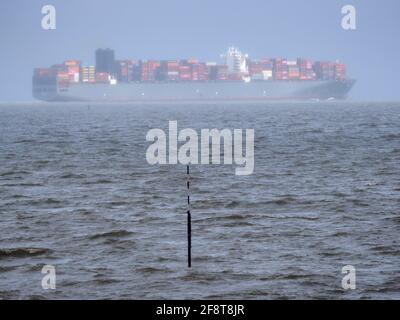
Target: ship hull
198, 91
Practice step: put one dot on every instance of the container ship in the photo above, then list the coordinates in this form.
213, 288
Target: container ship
237, 78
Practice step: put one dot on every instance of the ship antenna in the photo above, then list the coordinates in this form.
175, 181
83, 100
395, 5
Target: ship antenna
189, 220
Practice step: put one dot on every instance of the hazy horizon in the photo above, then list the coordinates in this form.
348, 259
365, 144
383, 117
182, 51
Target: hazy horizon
203, 29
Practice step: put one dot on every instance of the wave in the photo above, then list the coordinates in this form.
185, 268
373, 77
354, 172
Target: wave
11, 173
99, 181
72, 176
111, 234
22, 252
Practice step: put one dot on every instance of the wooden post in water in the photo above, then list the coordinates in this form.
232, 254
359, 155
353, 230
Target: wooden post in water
189, 221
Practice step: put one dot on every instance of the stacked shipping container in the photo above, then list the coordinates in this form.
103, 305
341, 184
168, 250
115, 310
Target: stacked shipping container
217, 72
199, 72
185, 73
280, 69
102, 77
260, 69
88, 74
306, 69
340, 71
324, 70
73, 69
193, 70
124, 70
149, 70
169, 70
293, 70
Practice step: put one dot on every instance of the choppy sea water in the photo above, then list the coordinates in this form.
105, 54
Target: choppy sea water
77, 193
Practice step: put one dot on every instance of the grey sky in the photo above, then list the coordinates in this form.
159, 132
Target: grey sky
203, 29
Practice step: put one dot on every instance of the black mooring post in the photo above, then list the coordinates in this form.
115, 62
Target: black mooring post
189, 221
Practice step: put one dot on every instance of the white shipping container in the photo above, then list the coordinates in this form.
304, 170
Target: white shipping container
267, 74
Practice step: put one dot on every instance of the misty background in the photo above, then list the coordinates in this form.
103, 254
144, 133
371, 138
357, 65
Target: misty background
203, 29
